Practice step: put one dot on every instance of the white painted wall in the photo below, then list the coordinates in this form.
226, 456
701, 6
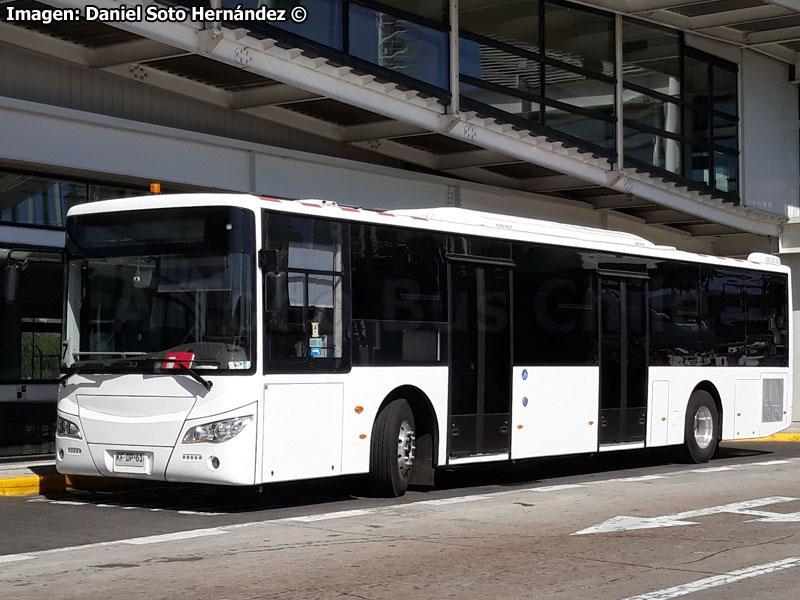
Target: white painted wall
90, 145
770, 171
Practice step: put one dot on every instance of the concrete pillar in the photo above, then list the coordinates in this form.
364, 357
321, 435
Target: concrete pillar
792, 260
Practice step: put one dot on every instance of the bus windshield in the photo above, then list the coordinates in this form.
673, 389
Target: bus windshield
160, 284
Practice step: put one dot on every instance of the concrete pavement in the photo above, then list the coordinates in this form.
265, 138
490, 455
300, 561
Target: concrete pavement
26, 478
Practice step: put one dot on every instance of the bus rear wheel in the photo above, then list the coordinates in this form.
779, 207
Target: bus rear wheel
702, 427
392, 451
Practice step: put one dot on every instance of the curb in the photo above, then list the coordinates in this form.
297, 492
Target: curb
31, 485
775, 437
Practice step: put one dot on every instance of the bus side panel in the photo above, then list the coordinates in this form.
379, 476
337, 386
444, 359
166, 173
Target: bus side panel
554, 411
302, 431
368, 387
741, 391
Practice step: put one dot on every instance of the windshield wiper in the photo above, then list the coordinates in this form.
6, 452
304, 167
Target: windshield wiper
194, 375
141, 357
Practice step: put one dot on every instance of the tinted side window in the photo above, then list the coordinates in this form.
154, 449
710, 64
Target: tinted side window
555, 317
304, 293
398, 274
675, 323
746, 313
399, 296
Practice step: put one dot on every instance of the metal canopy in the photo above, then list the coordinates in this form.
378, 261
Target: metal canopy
771, 27
199, 72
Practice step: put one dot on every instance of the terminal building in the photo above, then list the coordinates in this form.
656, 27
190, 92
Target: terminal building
676, 120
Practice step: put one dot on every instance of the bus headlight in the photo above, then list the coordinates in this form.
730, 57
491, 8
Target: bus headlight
216, 431
68, 429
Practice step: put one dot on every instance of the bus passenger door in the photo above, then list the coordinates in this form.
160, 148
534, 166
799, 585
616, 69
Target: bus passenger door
480, 359
623, 359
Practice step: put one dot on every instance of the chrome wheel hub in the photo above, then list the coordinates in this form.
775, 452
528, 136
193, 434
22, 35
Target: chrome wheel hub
405, 448
703, 427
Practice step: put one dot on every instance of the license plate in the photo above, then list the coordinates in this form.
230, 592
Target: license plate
133, 460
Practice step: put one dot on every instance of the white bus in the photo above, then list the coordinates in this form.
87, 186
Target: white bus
232, 339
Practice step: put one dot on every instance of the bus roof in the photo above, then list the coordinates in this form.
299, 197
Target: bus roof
446, 219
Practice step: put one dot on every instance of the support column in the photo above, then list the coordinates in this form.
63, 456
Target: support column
618, 91
792, 260
454, 106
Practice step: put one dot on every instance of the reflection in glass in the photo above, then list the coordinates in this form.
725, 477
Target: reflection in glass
579, 90
726, 169
698, 163
527, 109
499, 67
676, 327
580, 37
725, 90
435, 10
578, 126
651, 57
656, 150
36, 200
695, 80
696, 124
651, 111
745, 313
725, 132
30, 327
163, 281
514, 22
323, 22
399, 45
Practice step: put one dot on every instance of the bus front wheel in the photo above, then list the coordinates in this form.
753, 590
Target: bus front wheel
392, 451
702, 427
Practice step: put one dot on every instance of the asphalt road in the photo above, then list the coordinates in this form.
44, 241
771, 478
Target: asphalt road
617, 526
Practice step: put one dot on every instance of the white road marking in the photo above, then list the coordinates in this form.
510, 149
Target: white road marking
125, 507
171, 537
718, 580
628, 479
554, 488
626, 523
332, 515
9, 558
457, 500
15, 558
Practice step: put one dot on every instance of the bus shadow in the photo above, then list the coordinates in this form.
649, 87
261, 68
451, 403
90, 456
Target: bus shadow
211, 500
559, 470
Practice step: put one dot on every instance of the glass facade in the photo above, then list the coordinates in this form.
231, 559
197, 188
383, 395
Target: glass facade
544, 65
44, 202
31, 308
568, 89
679, 108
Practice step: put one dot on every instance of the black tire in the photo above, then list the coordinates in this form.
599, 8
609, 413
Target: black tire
701, 432
391, 446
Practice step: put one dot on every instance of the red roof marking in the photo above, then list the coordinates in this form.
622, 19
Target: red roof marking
269, 199
419, 218
348, 209
385, 214
311, 204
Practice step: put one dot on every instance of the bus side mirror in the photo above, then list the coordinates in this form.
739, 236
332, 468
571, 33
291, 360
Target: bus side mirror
277, 291
10, 283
